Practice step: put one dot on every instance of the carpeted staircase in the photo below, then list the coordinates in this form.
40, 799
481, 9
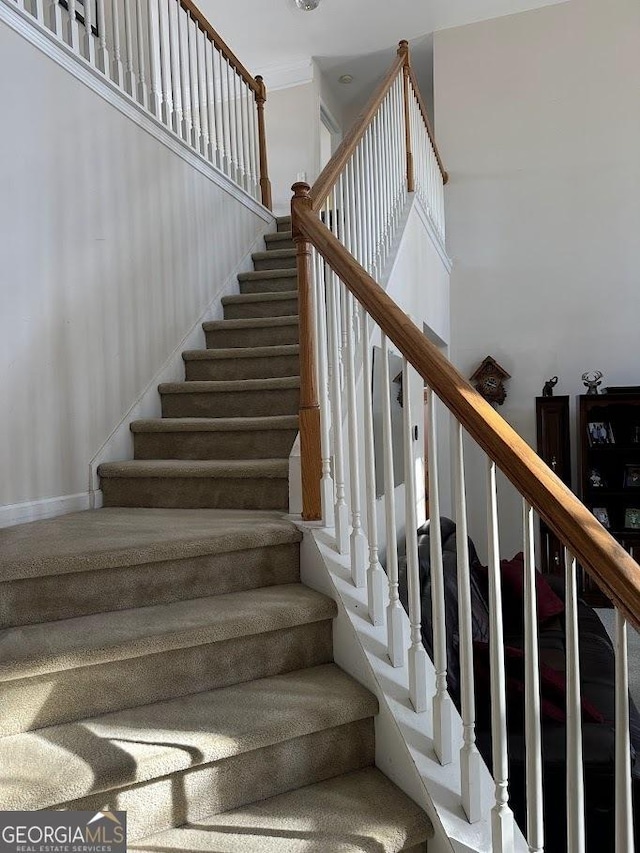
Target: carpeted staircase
161, 655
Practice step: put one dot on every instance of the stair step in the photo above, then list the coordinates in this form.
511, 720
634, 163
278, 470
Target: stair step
197, 484
350, 813
69, 566
262, 332
268, 281
280, 240
242, 363
63, 671
274, 259
214, 438
251, 305
230, 399
139, 744
283, 223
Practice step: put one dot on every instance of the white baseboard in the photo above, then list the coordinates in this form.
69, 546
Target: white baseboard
119, 444
46, 508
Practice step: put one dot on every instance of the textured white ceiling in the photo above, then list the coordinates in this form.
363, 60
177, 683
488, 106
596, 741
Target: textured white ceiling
271, 33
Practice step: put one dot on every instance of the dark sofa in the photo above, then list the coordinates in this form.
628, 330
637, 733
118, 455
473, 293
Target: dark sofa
597, 687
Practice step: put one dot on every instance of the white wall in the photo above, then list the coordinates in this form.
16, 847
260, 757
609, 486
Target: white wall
539, 126
111, 248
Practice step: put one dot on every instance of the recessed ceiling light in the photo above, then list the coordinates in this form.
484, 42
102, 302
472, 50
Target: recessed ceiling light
346, 79
307, 5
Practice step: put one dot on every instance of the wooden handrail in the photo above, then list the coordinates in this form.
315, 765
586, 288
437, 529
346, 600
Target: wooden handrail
616, 572
332, 171
427, 123
224, 49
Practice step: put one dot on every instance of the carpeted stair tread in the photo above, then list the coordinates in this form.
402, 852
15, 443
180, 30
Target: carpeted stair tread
260, 275
240, 352
286, 422
250, 323
115, 537
351, 813
211, 386
278, 237
283, 223
121, 635
61, 763
274, 254
179, 468
248, 298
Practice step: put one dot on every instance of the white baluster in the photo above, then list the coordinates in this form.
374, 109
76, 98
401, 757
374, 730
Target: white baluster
341, 511
38, 11
221, 113
245, 140
129, 76
375, 575
532, 714
202, 91
164, 54
55, 18
103, 51
501, 814
417, 653
470, 758
196, 130
326, 482
74, 29
212, 154
395, 623
89, 44
143, 97
154, 34
253, 135
117, 59
358, 544
575, 776
442, 721
174, 11
624, 803
183, 64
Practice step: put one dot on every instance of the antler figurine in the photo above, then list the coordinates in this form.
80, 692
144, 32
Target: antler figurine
592, 381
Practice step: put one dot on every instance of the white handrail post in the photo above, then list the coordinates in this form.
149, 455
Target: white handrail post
623, 798
470, 758
417, 653
442, 721
575, 774
532, 713
502, 829
395, 623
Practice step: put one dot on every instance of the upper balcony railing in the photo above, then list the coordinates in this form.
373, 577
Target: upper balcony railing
344, 227
167, 57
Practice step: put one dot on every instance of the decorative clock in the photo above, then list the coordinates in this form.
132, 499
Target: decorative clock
489, 381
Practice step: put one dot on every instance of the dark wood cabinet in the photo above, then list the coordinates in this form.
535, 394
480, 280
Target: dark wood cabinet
554, 446
609, 469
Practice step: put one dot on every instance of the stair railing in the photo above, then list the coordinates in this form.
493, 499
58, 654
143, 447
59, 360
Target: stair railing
343, 228
167, 57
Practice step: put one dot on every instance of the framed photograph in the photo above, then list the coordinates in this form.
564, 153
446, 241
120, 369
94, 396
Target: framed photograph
596, 480
600, 432
632, 476
602, 514
631, 518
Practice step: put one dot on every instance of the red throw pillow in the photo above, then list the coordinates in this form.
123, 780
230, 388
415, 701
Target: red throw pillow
512, 572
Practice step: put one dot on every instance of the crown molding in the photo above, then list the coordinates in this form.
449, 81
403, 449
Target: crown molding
288, 74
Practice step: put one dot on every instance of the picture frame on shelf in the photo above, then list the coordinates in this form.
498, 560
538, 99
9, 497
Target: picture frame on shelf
596, 480
632, 477
602, 514
632, 518
600, 432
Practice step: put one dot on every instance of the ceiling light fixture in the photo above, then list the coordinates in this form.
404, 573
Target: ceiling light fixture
307, 5
346, 79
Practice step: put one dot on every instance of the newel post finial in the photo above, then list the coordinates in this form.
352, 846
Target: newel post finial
265, 183
403, 50
309, 413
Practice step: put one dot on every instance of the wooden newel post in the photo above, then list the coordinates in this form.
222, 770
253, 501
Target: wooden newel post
265, 183
310, 451
403, 50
